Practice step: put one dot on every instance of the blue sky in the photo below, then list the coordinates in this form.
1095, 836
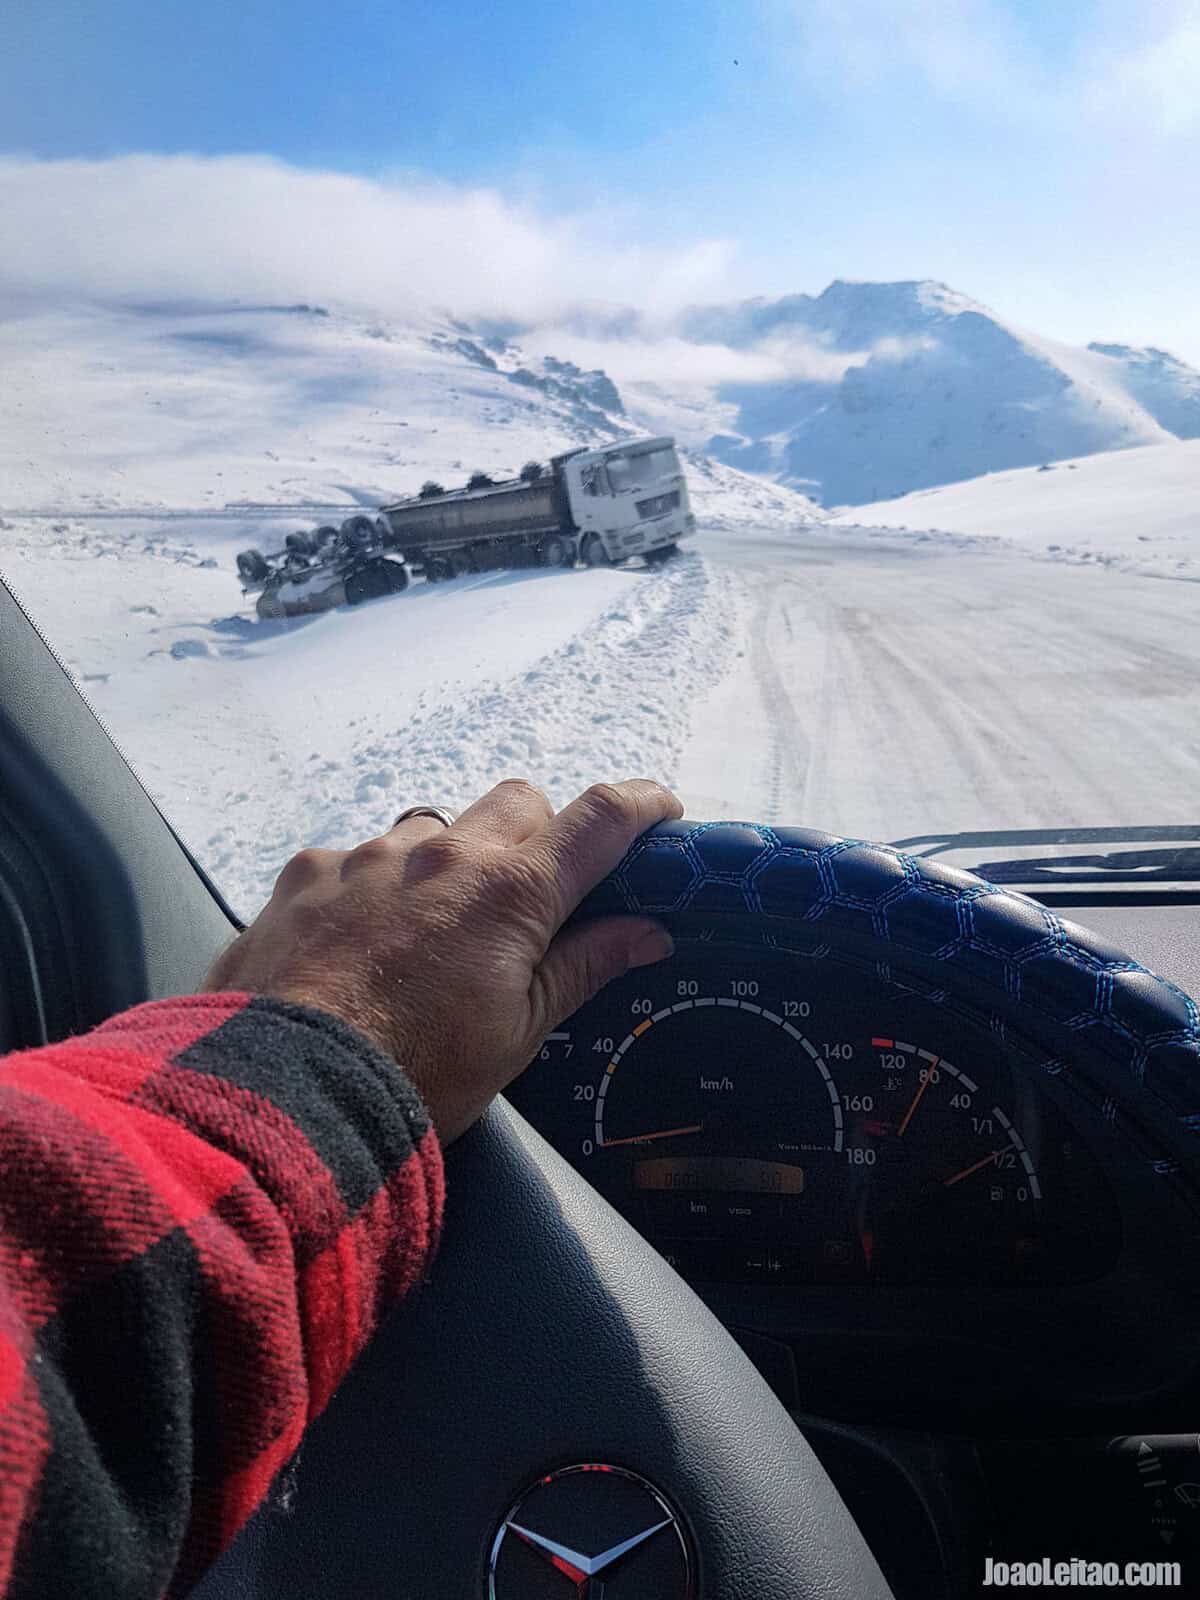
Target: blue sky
365, 86
1041, 157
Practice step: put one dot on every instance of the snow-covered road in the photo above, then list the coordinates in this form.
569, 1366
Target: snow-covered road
890, 688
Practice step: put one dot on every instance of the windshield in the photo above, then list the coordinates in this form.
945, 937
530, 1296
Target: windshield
910, 291
635, 471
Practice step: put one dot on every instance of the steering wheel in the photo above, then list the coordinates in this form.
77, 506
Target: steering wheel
552, 1337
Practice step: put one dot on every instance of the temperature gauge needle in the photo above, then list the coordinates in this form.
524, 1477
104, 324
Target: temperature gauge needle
916, 1101
992, 1155
645, 1138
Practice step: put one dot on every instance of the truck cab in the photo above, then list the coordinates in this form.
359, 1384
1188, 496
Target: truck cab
628, 499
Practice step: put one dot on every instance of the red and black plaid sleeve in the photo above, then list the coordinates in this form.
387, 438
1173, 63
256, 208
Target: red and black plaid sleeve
206, 1205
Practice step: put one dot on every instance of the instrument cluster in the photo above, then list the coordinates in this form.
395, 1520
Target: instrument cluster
759, 1128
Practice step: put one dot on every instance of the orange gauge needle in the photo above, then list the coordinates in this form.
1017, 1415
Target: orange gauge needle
645, 1138
916, 1100
992, 1155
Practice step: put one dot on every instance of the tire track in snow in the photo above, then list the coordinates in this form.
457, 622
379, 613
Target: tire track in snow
789, 745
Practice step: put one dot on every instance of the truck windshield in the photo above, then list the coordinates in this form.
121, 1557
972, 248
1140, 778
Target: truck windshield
635, 471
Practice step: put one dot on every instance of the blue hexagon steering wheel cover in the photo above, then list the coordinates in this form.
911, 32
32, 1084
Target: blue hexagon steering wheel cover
1086, 1004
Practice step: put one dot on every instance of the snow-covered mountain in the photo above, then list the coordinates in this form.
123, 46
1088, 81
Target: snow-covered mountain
202, 406
933, 388
871, 390
1168, 388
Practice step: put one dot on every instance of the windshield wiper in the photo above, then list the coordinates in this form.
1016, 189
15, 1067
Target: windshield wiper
1161, 864
1115, 867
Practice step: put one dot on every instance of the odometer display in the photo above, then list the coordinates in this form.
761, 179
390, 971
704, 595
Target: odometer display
756, 1127
724, 1174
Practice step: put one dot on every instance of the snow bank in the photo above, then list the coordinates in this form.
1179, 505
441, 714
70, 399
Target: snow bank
613, 700
1138, 510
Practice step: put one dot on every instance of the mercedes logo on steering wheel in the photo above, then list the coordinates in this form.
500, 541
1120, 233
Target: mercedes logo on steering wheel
591, 1532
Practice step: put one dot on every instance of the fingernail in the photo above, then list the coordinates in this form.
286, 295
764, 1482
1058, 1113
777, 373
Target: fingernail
656, 944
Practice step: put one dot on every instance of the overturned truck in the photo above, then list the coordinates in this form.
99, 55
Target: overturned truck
596, 506
317, 571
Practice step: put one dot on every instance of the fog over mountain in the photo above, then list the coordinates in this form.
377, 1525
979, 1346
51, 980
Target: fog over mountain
871, 390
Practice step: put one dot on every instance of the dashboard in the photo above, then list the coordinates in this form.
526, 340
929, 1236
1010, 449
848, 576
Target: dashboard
922, 1143
932, 1165
760, 1123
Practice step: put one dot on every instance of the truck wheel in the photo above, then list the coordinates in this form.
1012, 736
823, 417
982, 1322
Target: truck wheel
397, 576
372, 582
553, 550
593, 551
438, 570
252, 566
324, 538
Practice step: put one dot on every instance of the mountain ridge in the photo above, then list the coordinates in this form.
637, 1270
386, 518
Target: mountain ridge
936, 389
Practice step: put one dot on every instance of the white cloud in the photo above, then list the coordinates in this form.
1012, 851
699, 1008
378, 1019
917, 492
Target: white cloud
961, 49
1129, 68
148, 227
1156, 83
669, 362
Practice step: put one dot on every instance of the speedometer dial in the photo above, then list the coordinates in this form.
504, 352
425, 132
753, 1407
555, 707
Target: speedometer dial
716, 1114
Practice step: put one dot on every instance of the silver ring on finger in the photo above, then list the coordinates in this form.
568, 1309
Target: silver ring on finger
439, 813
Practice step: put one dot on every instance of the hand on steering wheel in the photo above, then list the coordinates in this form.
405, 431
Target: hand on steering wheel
442, 945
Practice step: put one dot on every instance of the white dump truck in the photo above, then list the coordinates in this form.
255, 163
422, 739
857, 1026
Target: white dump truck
595, 506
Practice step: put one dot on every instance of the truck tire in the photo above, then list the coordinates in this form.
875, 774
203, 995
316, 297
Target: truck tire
376, 579
397, 575
300, 544
593, 551
358, 533
552, 552
252, 566
438, 570
324, 538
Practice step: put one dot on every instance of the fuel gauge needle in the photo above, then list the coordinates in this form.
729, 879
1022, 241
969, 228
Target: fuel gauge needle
645, 1138
992, 1155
